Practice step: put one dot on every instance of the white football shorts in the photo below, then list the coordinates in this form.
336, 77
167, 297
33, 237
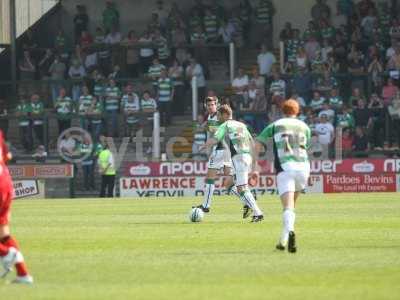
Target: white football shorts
292, 181
242, 167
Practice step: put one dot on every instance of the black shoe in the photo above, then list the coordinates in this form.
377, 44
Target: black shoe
280, 247
257, 219
204, 209
246, 212
292, 242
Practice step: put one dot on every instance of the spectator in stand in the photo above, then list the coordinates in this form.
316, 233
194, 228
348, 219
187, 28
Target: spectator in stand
211, 23
104, 53
344, 118
356, 95
110, 16
375, 69
86, 151
27, 67
328, 112
264, 13
325, 83
132, 54
258, 104
3, 118
81, 21
99, 87
360, 143
178, 41
265, 61
389, 91
302, 84
163, 49
377, 121
64, 110
23, 113
194, 69
85, 101
325, 132
199, 139
240, 86
57, 74
347, 142
312, 48
320, 11
258, 80
394, 113
40, 154
37, 115
362, 115
155, 23
356, 69
326, 50
301, 59
154, 72
45, 63
317, 102
76, 73
199, 39
327, 30
335, 100
394, 63
176, 73
394, 30
286, 33
165, 88
116, 73
368, 24
113, 39
392, 49
364, 7
146, 52
130, 107
61, 45
85, 42
107, 171
277, 88
111, 108
95, 114
162, 14
148, 104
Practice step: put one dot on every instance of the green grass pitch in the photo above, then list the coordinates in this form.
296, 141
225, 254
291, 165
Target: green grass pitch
348, 248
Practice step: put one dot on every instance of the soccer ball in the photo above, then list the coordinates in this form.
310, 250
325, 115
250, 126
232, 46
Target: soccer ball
196, 215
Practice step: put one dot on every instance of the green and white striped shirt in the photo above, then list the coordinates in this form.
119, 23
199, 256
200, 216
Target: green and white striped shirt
84, 103
211, 26
265, 12
236, 135
112, 98
165, 87
291, 138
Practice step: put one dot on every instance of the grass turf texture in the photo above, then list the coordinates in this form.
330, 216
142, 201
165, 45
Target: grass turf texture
348, 248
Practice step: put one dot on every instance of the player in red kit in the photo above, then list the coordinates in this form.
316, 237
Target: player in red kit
10, 255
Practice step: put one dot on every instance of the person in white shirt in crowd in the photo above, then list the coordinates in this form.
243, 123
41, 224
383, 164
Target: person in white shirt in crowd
76, 72
265, 61
391, 51
240, 85
194, 69
326, 133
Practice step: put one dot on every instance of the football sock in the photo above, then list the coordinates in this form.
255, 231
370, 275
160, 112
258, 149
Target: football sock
288, 219
248, 198
210, 187
233, 190
20, 266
